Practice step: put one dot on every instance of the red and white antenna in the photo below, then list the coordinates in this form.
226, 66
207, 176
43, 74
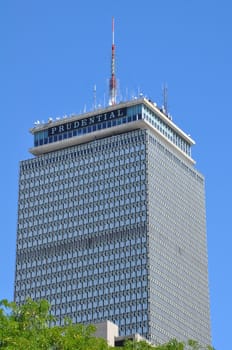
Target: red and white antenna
113, 83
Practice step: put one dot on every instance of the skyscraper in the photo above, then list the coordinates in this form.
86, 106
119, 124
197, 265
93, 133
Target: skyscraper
111, 223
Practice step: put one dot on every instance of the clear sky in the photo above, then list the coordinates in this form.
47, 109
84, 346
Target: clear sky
52, 54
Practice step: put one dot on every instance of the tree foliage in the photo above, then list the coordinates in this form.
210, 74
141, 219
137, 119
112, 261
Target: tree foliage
28, 327
171, 345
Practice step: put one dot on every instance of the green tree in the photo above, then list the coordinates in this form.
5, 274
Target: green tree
171, 345
26, 327
137, 345
194, 345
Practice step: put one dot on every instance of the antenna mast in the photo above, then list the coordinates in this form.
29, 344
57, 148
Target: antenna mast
113, 84
165, 99
95, 97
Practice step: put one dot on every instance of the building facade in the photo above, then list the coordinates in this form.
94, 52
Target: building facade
111, 224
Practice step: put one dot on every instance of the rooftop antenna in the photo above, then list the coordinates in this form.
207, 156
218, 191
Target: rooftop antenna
165, 99
95, 97
113, 84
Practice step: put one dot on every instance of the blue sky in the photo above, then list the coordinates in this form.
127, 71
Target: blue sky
52, 54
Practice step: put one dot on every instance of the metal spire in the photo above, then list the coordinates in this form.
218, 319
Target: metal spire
113, 83
95, 97
165, 98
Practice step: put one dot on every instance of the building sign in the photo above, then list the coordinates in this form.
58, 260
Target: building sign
95, 119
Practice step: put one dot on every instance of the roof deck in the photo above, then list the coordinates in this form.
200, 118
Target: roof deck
123, 117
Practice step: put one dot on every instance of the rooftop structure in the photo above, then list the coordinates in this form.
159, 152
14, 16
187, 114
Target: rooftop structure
126, 116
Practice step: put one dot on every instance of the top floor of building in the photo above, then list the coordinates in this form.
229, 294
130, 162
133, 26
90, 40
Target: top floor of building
123, 117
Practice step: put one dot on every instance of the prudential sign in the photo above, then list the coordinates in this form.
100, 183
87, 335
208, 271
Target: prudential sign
96, 119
